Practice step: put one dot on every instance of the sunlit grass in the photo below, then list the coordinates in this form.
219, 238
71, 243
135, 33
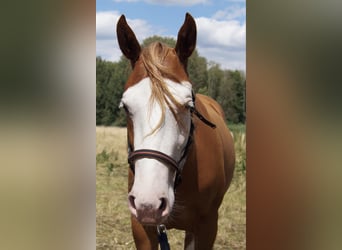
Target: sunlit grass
113, 230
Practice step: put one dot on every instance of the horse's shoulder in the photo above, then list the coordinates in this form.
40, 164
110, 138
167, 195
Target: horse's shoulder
210, 104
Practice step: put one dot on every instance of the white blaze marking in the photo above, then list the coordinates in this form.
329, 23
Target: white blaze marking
153, 179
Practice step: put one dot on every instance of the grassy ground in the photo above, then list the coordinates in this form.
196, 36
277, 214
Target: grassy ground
113, 217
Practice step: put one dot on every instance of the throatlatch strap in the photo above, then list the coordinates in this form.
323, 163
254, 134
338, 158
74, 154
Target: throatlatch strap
194, 111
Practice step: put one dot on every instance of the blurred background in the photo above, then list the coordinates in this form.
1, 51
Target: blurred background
293, 125
47, 125
48, 119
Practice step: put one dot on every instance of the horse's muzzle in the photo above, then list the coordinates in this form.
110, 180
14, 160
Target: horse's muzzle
149, 213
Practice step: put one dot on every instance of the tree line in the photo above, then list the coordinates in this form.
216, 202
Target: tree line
227, 87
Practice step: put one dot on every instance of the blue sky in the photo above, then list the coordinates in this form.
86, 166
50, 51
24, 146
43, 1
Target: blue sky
221, 26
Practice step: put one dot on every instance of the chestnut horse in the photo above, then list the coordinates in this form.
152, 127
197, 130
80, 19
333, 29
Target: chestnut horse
181, 153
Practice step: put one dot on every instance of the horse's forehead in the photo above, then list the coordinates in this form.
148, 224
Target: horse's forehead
139, 72
171, 61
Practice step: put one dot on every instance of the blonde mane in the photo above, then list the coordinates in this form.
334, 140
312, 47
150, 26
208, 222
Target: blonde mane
153, 58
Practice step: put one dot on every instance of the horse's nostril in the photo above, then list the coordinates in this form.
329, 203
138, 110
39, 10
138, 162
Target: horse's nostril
162, 204
131, 199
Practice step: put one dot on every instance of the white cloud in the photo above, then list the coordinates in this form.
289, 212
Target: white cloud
106, 41
221, 41
222, 38
168, 2
228, 59
105, 24
230, 13
227, 34
128, 1
178, 2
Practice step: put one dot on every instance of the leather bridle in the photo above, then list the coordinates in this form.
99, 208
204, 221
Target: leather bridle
134, 155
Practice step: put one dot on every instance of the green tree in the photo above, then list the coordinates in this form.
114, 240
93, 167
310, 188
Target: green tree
197, 69
232, 96
215, 79
110, 79
238, 100
226, 86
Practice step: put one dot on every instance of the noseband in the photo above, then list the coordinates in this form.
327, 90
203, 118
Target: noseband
157, 155
133, 156
164, 158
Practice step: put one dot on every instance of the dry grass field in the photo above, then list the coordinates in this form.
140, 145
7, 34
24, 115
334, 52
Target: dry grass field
113, 217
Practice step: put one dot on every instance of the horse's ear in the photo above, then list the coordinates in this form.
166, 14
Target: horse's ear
128, 43
186, 40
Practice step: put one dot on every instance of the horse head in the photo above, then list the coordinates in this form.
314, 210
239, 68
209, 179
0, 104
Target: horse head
157, 98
